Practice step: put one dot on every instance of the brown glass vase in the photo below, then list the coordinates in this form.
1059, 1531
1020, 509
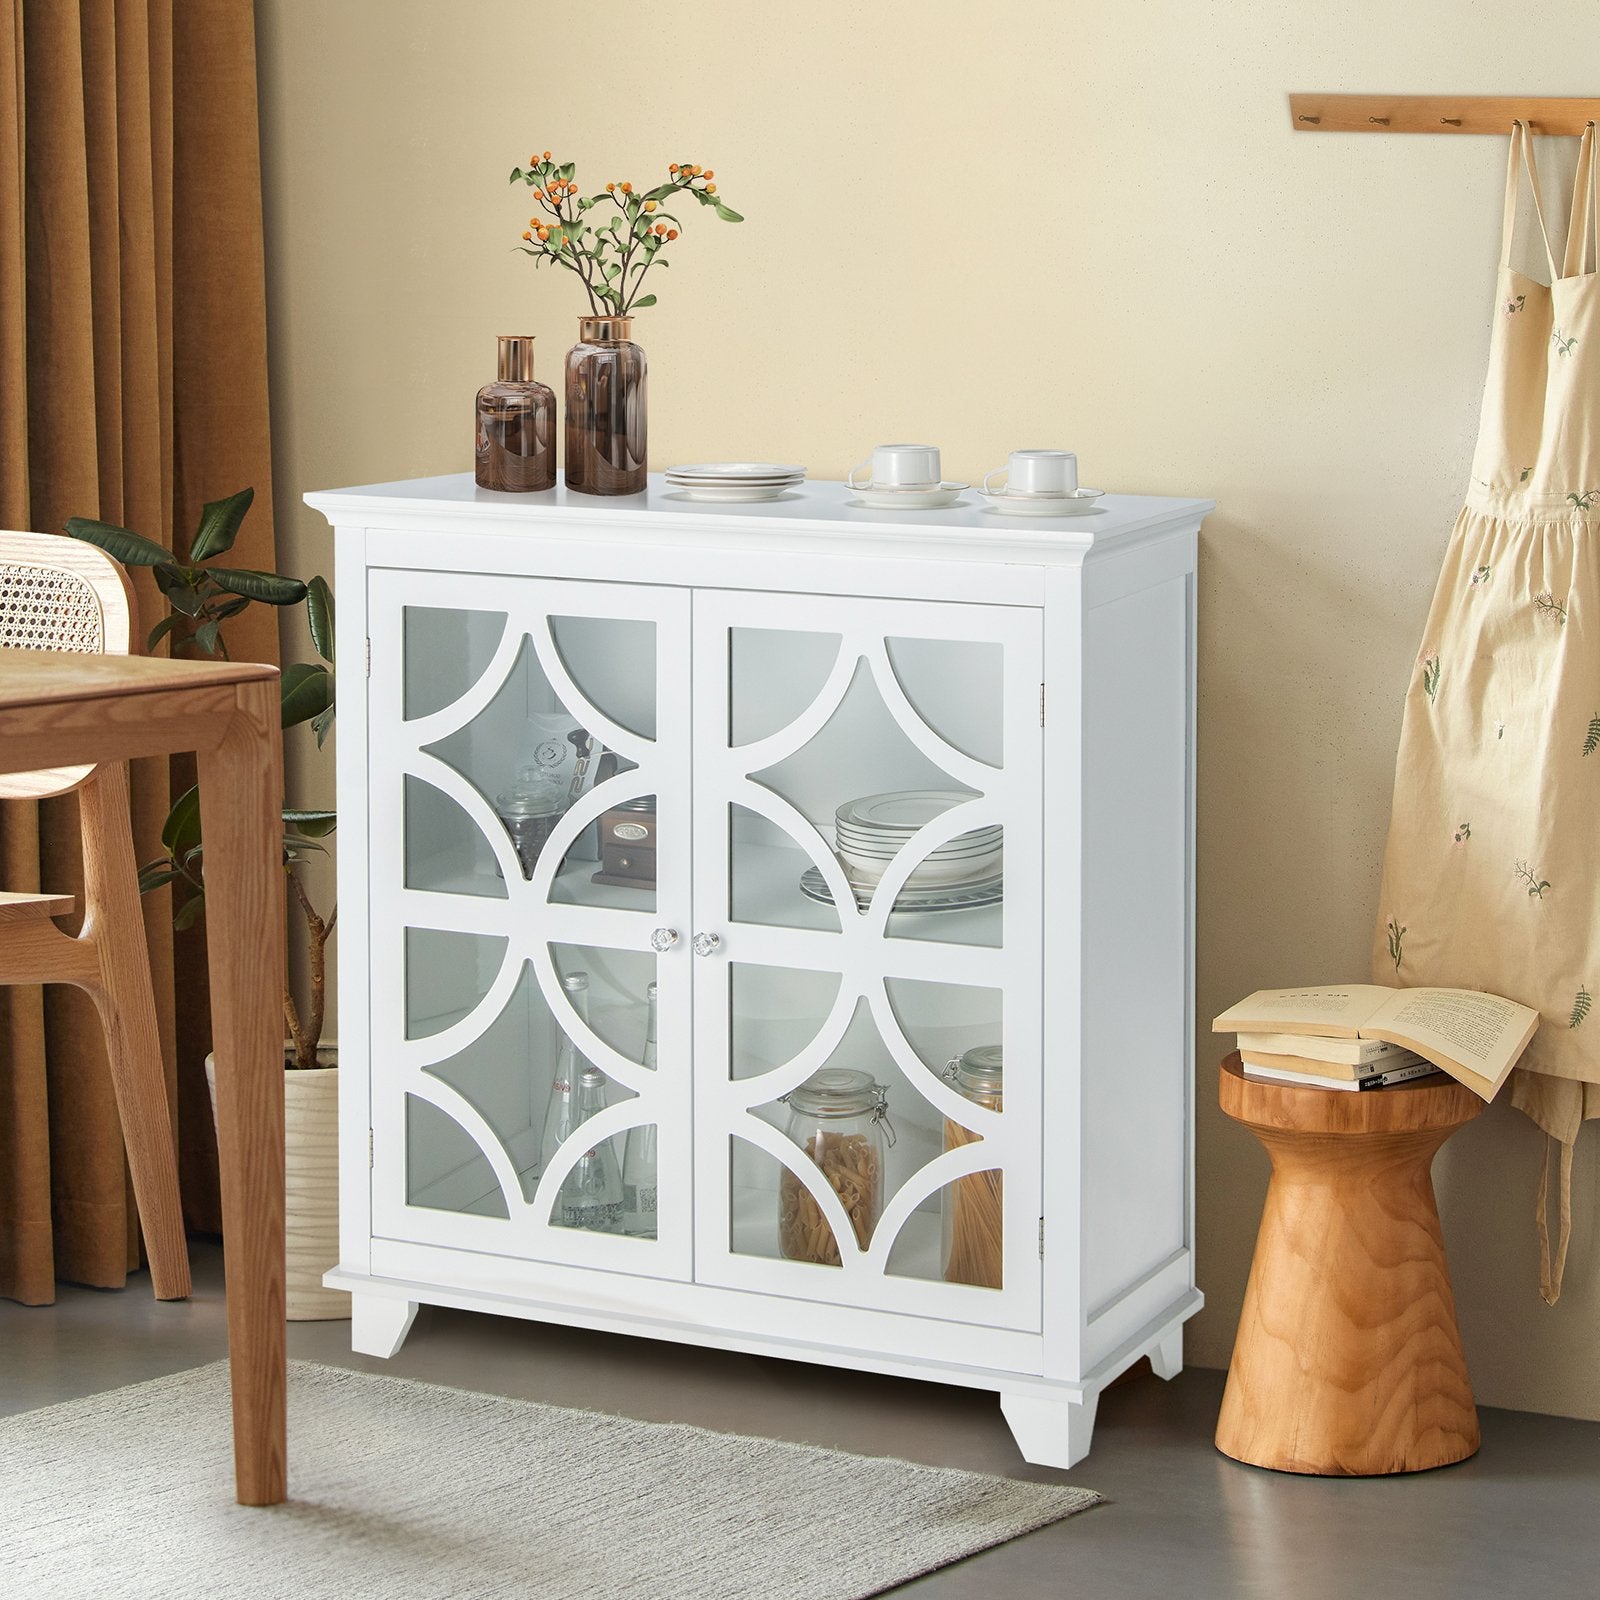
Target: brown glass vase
605, 409
516, 437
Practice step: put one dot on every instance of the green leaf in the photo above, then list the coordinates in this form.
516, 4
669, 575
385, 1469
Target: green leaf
307, 691
227, 608
181, 831
661, 191
219, 526
321, 724
319, 616
157, 876
206, 636
160, 631
312, 824
265, 586
131, 549
726, 213
189, 912
182, 595
516, 172
642, 301
565, 170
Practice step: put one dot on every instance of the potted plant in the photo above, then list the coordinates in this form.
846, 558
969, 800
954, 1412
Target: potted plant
203, 595
611, 241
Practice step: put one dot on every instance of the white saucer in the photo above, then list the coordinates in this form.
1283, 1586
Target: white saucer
947, 494
1041, 505
726, 472
734, 492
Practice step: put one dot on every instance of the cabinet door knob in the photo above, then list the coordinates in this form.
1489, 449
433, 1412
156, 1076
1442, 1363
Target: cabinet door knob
663, 938
706, 943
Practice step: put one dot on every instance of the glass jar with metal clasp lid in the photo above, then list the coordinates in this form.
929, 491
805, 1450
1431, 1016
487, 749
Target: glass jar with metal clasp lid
974, 1205
840, 1118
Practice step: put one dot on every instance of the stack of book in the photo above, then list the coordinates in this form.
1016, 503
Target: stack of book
1364, 1036
1329, 1063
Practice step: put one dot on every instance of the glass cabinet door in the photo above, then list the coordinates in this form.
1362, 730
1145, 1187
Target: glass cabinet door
528, 766
867, 864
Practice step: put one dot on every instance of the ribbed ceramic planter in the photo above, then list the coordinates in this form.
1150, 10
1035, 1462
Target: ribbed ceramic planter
311, 1186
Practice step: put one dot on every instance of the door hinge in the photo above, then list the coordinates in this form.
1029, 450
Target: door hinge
1041, 705
369, 1156
1041, 1238
369, 658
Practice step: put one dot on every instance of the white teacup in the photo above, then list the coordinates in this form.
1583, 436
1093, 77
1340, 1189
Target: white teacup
1042, 472
899, 466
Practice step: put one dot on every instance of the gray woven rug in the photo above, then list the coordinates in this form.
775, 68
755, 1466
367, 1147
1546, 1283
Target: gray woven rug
411, 1491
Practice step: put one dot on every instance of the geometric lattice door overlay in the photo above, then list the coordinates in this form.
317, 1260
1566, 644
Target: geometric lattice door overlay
476, 1008
804, 705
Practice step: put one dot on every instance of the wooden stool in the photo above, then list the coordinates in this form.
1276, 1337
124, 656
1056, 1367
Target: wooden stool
1348, 1360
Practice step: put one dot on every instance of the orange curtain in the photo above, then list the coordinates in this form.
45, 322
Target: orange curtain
133, 387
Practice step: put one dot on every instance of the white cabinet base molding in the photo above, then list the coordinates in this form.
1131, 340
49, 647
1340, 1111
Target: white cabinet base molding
796, 788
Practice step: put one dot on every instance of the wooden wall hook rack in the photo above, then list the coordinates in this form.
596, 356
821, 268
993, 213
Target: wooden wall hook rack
1438, 113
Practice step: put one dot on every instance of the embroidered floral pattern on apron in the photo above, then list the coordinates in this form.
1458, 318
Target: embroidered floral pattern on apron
1501, 713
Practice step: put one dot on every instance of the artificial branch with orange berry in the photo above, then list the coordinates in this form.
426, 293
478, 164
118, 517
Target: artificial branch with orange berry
611, 258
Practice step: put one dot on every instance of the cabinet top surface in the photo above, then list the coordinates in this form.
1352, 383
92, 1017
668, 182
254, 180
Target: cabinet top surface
820, 512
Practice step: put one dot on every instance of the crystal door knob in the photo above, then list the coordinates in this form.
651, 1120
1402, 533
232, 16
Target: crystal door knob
705, 943
663, 938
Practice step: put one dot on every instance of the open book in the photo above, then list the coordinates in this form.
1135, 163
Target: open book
1473, 1036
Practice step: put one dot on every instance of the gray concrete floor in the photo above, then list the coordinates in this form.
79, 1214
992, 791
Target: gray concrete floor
1521, 1519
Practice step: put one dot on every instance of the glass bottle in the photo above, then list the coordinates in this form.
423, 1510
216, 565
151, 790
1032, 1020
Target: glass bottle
639, 1155
530, 810
974, 1205
516, 435
605, 409
562, 1113
840, 1118
591, 1196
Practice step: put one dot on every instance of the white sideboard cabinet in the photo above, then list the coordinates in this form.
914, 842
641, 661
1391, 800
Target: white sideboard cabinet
732, 675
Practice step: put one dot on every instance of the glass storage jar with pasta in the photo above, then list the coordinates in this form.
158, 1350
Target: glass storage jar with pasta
973, 1205
840, 1118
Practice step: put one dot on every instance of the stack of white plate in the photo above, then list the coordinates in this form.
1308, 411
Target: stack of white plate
872, 830
735, 480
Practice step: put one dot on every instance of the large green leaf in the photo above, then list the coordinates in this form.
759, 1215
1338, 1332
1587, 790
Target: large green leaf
181, 832
319, 616
219, 525
265, 586
131, 549
307, 691
727, 214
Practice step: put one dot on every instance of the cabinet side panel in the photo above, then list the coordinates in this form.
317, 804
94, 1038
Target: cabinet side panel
351, 974
1136, 946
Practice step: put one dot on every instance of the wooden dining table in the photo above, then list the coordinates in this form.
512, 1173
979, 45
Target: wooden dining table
58, 710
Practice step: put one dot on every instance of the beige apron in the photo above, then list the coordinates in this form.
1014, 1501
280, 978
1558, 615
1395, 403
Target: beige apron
1490, 879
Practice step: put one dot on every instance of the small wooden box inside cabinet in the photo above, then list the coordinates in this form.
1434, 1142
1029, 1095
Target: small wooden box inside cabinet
628, 846
889, 788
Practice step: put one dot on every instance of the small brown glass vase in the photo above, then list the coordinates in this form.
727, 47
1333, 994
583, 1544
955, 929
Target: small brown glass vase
516, 440
605, 409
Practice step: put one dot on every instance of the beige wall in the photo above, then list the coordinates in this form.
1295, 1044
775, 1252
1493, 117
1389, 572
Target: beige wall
1015, 224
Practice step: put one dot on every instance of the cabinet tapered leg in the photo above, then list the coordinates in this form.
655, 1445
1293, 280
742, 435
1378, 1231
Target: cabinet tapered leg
1166, 1358
1050, 1433
379, 1324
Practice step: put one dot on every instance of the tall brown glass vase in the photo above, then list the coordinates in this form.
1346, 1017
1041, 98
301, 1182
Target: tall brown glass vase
605, 409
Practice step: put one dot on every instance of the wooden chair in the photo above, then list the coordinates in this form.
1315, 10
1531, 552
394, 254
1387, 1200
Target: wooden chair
59, 594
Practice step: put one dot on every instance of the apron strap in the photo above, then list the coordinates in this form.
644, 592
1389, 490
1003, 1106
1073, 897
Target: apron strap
1522, 150
1585, 209
1553, 1268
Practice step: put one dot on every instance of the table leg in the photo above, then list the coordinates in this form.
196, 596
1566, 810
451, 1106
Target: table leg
241, 799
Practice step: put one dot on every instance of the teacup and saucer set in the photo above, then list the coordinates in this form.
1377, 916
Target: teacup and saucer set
1039, 483
903, 477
